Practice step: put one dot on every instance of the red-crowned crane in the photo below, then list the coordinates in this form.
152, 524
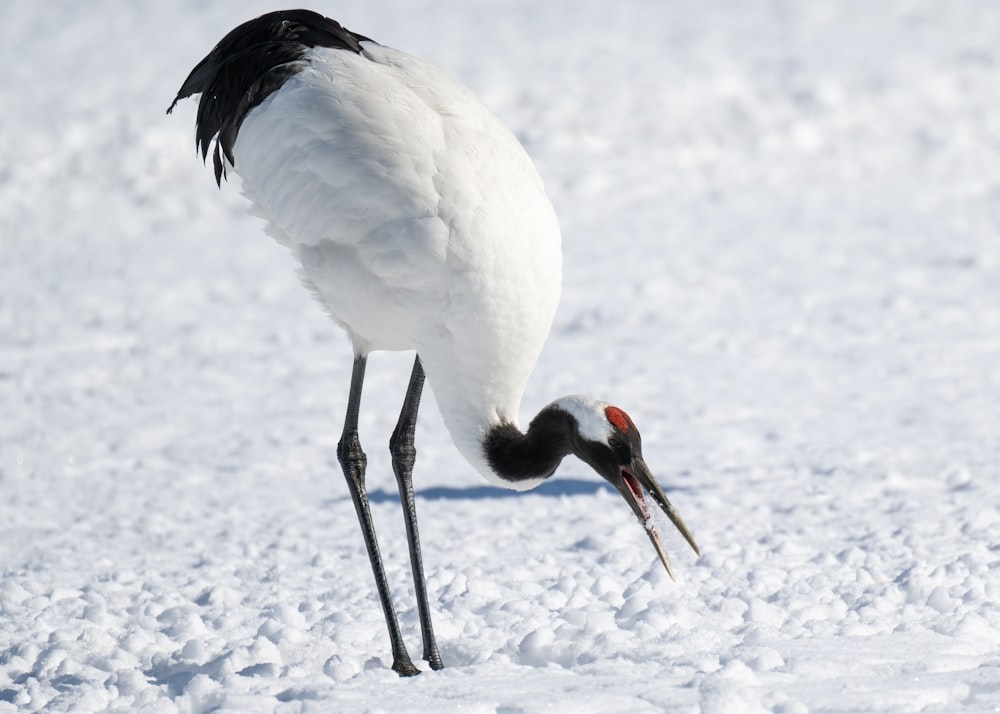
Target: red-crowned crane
420, 224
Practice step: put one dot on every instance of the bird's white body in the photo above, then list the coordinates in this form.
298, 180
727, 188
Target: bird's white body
419, 221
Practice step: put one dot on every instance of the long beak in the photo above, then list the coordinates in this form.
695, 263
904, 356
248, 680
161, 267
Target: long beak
634, 480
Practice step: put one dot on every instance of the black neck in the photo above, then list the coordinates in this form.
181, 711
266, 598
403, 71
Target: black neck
516, 456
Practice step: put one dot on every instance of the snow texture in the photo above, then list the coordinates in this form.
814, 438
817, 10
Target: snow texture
782, 235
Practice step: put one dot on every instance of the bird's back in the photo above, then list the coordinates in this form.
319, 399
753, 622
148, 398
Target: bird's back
418, 219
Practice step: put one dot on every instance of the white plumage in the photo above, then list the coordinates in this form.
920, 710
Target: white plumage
419, 223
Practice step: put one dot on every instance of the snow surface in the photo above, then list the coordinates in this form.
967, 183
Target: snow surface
782, 238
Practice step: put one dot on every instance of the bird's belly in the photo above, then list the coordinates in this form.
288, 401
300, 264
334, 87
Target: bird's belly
385, 303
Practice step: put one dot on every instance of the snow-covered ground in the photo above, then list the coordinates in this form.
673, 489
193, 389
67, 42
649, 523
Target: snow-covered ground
782, 237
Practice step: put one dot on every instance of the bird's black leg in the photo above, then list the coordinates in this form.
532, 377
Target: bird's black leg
404, 455
353, 460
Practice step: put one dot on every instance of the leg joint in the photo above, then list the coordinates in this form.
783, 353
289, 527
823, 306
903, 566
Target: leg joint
403, 451
351, 456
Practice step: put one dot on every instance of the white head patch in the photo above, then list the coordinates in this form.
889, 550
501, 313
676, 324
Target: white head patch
589, 414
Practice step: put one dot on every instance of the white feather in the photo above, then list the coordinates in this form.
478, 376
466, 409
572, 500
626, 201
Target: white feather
590, 415
419, 221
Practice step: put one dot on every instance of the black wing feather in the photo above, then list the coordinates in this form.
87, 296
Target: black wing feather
249, 64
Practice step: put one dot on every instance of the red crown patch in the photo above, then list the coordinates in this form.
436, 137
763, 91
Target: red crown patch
619, 419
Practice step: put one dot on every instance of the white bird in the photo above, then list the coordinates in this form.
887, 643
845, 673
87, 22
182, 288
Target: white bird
420, 224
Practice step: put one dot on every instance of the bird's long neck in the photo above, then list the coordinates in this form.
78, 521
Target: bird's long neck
478, 384
524, 459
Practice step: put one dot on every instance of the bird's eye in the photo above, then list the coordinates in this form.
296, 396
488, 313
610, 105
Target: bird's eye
621, 449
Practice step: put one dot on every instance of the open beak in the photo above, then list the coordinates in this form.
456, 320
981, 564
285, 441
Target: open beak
635, 482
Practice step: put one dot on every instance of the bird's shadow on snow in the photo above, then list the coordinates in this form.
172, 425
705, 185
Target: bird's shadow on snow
561, 487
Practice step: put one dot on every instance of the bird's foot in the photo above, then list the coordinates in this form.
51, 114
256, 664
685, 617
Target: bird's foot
434, 660
404, 667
